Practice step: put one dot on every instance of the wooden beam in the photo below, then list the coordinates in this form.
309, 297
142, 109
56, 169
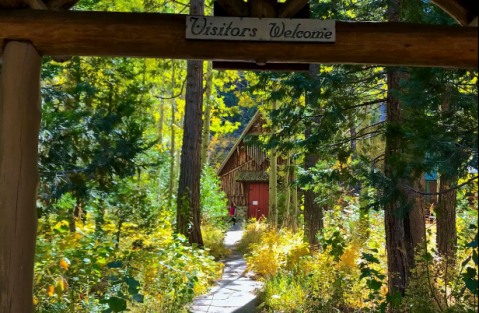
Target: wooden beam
234, 7
51, 4
20, 115
463, 11
61, 4
40, 5
474, 22
262, 8
291, 7
276, 67
36, 4
110, 34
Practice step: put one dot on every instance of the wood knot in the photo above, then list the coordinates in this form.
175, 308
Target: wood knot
261, 62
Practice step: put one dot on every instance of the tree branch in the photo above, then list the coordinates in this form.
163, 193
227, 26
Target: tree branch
365, 104
442, 192
176, 96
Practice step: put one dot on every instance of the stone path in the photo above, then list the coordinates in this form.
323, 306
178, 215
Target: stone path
235, 292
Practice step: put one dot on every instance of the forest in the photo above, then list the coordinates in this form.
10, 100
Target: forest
132, 214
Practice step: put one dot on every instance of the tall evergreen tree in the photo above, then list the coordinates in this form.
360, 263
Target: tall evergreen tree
188, 201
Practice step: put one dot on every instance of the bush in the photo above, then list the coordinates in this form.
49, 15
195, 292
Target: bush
145, 272
213, 199
252, 234
214, 240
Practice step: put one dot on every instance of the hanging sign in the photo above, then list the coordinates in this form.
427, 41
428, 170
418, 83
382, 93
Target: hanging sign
256, 29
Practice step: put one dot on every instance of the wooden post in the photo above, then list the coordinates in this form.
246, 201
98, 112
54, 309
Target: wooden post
20, 116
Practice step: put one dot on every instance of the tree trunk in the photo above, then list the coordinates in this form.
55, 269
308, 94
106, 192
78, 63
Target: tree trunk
20, 116
273, 183
396, 247
446, 237
446, 232
313, 213
364, 216
188, 202
294, 221
71, 220
399, 248
287, 195
207, 115
171, 183
417, 216
161, 120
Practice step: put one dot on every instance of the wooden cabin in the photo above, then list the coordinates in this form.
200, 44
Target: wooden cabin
243, 174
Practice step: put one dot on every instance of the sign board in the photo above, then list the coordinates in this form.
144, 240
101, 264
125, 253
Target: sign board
255, 202
256, 29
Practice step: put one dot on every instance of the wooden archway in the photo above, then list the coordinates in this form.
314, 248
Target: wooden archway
26, 35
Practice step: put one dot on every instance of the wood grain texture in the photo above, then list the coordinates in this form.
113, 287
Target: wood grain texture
51, 4
291, 7
163, 36
262, 8
234, 7
20, 115
37, 4
61, 4
463, 11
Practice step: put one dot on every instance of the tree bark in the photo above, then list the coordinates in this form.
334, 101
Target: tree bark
161, 120
364, 216
273, 183
396, 247
446, 232
188, 202
207, 115
294, 221
287, 194
446, 236
417, 217
313, 213
20, 116
399, 247
171, 182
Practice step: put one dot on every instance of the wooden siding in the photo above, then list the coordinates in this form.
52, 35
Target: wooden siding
243, 158
237, 192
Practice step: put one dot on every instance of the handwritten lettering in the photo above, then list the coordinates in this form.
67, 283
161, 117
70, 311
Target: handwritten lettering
254, 29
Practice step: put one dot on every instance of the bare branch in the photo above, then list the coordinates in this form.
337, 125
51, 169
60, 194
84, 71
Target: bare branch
176, 96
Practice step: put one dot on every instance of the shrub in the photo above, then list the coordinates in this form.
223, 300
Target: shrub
252, 234
214, 240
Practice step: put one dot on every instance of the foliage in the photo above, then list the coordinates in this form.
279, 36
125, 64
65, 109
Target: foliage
252, 235
349, 272
214, 239
213, 199
82, 272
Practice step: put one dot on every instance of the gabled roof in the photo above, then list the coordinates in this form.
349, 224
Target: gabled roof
255, 118
252, 176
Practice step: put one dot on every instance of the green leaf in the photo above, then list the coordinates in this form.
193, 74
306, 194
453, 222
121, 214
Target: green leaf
472, 244
117, 304
133, 285
375, 285
138, 298
427, 257
113, 278
471, 284
114, 264
466, 261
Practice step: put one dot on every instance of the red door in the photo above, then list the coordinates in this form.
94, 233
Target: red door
258, 202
